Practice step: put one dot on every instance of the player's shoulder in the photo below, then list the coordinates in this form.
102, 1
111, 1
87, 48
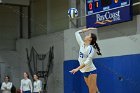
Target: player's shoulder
10, 83
39, 81
3, 83
29, 79
25, 80
90, 48
82, 44
22, 79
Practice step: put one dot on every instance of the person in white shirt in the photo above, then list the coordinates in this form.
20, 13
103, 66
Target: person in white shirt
37, 85
26, 84
86, 53
6, 85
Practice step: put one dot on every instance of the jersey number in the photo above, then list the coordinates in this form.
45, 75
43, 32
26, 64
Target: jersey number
81, 55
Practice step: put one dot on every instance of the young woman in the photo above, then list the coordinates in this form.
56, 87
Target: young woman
86, 53
37, 84
26, 84
6, 85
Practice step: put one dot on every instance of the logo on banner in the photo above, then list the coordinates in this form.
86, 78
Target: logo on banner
108, 17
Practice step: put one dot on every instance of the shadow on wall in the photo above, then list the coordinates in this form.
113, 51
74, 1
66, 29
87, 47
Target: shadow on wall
42, 64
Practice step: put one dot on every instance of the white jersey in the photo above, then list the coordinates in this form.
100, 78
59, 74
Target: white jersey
26, 85
6, 87
37, 86
86, 54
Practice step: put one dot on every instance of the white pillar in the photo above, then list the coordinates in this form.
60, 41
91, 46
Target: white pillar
48, 16
25, 22
138, 24
72, 4
83, 8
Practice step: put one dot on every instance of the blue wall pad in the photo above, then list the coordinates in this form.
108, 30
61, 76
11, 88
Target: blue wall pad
119, 74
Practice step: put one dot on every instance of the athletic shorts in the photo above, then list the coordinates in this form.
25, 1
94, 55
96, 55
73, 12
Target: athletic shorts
27, 91
86, 74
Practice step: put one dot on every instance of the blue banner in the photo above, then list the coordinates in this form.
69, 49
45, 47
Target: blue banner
107, 15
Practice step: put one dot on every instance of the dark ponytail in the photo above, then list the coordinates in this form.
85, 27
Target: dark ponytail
95, 45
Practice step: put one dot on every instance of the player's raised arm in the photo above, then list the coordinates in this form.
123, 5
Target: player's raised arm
78, 36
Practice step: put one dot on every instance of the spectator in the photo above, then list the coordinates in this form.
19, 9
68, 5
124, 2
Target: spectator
6, 85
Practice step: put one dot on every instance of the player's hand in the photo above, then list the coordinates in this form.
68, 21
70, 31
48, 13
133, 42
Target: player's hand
73, 71
87, 29
91, 28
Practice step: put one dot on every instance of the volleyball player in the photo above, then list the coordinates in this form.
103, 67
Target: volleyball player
6, 85
26, 84
37, 85
88, 46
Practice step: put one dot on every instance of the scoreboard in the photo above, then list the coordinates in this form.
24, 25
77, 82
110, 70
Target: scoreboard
107, 12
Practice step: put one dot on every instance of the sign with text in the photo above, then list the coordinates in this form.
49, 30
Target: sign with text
107, 12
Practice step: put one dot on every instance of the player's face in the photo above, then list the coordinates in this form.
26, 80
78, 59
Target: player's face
25, 75
35, 77
88, 37
6, 79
